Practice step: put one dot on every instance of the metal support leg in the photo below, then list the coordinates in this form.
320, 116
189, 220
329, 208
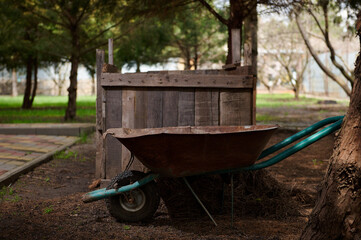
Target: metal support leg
232, 196
223, 193
199, 201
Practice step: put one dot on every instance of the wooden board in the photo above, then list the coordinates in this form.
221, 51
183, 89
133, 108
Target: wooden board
177, 80
206, 107
154, 108
186, 109
100, 158
170, 108
235, 107
113, 119
128, 121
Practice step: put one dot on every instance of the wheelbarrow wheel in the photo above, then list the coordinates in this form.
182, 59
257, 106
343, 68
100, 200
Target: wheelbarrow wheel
136, 205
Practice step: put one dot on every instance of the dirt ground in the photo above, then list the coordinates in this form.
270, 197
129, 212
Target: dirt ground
46, 203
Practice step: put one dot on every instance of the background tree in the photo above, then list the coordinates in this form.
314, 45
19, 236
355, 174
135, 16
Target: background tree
232, 15
59, 73
285, 47
198, 37
20, 44
146, 44
322, 14
79, 27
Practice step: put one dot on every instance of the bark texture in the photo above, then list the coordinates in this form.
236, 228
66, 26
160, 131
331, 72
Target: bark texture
70, 112
337, 214
30, 86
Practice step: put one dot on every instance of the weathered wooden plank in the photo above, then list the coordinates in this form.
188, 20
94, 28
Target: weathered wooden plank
154, 107
140, 118
113, 119
128, 120
177, 80
99, 62
215, 107
113, 115
112, 157
206, 107
170, 108
235, 107
140, 121
186, 108
100, 161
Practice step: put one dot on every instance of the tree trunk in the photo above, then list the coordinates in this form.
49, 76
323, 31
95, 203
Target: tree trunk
337, 214
33, 94
27, 92
297, 93
60, 89
70, 113
14, 88
138, 67
196, 57
93, 84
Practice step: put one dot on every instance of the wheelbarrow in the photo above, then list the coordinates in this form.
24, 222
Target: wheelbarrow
180, 152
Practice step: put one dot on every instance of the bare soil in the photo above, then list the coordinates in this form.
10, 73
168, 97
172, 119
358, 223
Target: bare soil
46, 203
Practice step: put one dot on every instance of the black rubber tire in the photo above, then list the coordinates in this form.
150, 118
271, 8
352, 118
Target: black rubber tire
148, 191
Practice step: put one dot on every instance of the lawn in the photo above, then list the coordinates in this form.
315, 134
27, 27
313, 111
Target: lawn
52, 108
46, 109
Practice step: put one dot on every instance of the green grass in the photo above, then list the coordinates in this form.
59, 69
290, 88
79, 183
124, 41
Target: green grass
46, 109
283, 100
51, 109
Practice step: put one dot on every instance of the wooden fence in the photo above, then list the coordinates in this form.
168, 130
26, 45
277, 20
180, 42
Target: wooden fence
165, 99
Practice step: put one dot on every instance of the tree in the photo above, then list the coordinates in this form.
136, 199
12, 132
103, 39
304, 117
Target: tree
337, 213
59, 74
197, 37
78, 27
285, 47
17, 46
232, 17
146, 43
327, 9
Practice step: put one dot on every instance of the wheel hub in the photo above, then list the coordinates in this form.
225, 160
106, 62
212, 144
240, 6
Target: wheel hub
133, 200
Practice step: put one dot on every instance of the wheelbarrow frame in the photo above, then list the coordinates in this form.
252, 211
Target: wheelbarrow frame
335, 125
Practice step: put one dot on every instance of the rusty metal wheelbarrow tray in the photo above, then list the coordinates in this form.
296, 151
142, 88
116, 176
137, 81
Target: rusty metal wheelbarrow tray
186, 151
334, 121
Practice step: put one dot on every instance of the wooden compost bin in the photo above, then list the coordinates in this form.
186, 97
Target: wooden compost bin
164, 99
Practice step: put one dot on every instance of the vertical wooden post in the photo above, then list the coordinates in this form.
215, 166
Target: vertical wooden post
100, 161
236, 45
110, 51
233, 105
251, 52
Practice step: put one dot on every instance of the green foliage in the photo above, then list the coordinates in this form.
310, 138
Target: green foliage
84, 137
317, 162
8, 194
48, 209
126, 227
145, 44
66, 154
198, 36
170, 29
